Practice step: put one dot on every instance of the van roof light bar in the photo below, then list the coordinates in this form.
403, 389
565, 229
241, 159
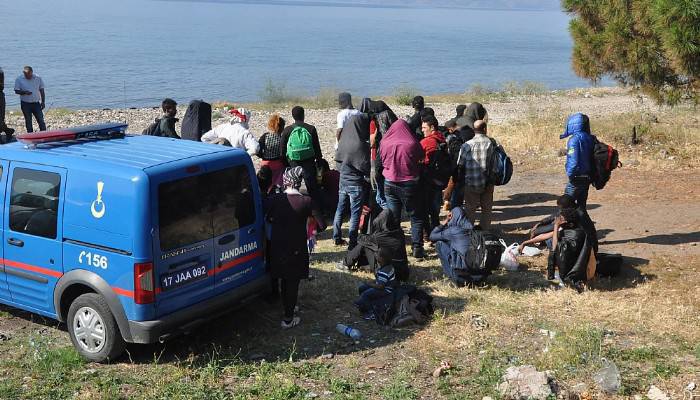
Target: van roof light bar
105, 131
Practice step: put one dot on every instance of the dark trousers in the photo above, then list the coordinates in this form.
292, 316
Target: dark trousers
309, 167
432, 202
290, 292
3, 126
33, 109
578, 189
407, 195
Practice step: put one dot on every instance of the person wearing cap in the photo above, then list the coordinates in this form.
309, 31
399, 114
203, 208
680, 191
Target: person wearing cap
235, 133
32, 96
579, 157
346, 111
288, 253
3, 126
473, 167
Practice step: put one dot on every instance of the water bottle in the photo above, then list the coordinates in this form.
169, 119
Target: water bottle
349, 331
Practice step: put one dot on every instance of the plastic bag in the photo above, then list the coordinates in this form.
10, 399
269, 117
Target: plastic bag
531, 251
509, 262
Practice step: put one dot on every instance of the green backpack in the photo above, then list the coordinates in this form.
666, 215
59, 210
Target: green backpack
299, 145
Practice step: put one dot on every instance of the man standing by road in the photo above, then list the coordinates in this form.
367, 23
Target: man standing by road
3, 127
30, 89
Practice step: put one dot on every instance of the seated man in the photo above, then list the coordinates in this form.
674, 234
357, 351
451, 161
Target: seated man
452, 245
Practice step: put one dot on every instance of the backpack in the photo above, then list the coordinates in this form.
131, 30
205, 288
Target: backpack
439, 169
605, 160
454, 145
484, 254
153, 129
609, 264
500, 167
300, 145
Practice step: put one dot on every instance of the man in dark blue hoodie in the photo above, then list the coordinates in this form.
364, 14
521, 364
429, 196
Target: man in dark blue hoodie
452, 245
579, 158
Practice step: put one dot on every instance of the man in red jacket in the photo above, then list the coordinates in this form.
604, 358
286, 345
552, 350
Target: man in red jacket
433, 193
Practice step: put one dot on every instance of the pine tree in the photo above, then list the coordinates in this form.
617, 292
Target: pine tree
651, 45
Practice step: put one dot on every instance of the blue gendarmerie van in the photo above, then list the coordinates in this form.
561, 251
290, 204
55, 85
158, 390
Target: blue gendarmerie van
127, 238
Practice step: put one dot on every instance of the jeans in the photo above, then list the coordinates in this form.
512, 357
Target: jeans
443, 250
381, 197
29, 109
355, 195
433, 202
407, 195
578, 189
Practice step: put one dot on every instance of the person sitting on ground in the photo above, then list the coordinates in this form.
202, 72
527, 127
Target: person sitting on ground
401, 155
236, 133
346, 111
579, 157
543, 231
452, 245
270, 151
385, 233
354, 155
572, 251
288, 254
167, 122
473, 169
296, 139
414, 121
382, 288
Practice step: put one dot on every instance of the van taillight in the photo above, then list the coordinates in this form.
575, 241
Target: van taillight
144, 291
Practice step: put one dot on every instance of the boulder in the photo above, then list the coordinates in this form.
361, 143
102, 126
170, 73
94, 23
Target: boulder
525, 382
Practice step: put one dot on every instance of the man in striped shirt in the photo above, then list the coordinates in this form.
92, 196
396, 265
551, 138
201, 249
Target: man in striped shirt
473, 164
384, 284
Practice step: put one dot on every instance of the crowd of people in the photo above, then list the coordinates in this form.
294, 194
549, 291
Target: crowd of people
386, 168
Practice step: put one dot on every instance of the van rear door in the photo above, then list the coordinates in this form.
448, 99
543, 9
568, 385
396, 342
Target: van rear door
183, 239
238, 227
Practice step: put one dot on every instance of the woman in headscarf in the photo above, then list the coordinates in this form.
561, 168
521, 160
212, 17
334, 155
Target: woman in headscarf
235, 134
382, 117
288, 256
452, 245
353, 156
386, 233
270, 151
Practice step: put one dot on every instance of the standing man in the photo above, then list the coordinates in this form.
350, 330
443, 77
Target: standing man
3, 126
579, 158
473, 165
300, 147
30, 89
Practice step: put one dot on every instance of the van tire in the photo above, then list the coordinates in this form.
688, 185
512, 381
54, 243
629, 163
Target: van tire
95, 317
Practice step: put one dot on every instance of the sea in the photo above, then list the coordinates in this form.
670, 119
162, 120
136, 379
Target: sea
134, 53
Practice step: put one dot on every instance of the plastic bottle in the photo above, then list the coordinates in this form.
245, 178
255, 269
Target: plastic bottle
349, 331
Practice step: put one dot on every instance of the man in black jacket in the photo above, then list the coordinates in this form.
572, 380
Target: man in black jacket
308, 165
3, 127
415, 122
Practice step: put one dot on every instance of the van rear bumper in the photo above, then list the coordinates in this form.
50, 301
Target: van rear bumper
183, 321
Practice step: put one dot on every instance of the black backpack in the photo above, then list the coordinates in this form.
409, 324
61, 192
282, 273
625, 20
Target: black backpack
439, 169
454, 145
484, 253
153, 129
605, 160
500, 167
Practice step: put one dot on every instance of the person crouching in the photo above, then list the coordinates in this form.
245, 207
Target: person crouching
381, 289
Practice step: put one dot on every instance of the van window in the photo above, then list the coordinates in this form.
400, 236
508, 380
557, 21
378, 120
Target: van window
34, 202
197, 208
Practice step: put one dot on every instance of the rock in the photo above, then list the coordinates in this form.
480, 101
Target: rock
608, 378
525, 382
5, 336
655, 393
691, 386
326, 356
442, 369
478, 322
311, 395
547, 333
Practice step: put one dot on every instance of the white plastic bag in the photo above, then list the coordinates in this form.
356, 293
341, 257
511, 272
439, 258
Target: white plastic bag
509, 262
531, 251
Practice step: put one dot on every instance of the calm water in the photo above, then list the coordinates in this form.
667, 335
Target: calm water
135, 52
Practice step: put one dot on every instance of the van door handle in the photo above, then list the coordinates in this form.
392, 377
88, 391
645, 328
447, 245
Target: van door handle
15, 242
227, 239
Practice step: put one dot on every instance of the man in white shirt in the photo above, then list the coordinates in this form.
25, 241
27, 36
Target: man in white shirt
30, 89
236, 133
3, 127
346, 111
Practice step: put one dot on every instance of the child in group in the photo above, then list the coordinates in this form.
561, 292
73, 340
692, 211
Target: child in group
381, 289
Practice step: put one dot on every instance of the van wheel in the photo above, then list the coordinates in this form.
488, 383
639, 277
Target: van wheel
93, 330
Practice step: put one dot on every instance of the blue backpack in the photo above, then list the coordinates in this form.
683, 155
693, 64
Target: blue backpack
500, 167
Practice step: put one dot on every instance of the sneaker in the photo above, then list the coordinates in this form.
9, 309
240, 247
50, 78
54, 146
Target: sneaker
340, 242
418, 252
340, 266
290, 324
